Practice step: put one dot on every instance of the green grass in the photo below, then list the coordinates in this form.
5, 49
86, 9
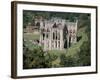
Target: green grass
31, 36
57, 52
30, 45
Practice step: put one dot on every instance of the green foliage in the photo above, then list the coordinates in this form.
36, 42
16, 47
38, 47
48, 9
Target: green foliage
33, 58
84, 20
69, 61
49, 58
84, 55
27, 18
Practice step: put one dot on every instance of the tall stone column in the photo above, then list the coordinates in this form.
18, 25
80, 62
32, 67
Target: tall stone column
61, 39
50, 38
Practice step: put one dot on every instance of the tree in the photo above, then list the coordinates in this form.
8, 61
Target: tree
85, 54
34, 58
69, 61
27, 18
49, 58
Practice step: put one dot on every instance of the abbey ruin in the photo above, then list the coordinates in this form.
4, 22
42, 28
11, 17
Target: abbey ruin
57, 33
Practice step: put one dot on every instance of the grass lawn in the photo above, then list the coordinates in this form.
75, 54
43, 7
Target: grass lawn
57, 52
31, 36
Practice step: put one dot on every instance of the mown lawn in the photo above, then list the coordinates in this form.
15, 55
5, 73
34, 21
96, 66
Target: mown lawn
31, 36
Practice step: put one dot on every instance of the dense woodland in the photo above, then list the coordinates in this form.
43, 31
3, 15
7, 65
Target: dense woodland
77, 55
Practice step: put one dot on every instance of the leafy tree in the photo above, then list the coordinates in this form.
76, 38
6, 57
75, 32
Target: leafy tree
85, 54
84, 20
33, 58
49, 58
27, 18
69, 61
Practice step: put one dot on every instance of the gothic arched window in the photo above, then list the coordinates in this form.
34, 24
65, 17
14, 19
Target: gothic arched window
43, 36
53, 35
56, 35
